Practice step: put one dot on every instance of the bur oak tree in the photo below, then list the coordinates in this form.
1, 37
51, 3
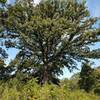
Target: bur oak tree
52, 35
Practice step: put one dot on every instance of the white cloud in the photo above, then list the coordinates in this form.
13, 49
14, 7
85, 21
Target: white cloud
36, 1
12, 1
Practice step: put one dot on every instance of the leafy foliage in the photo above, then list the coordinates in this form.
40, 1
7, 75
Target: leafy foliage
52, 35
97, 81
87, 79
3, 1
17, 90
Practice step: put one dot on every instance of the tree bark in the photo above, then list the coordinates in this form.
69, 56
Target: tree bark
45, 77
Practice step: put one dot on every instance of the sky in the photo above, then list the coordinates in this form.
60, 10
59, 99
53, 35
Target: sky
94, 8
12, 1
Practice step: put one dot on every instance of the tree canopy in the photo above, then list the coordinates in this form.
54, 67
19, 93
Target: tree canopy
50, 36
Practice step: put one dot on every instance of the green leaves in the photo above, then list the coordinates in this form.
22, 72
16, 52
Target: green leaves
3, 1
53, 34
87, 79
14, 89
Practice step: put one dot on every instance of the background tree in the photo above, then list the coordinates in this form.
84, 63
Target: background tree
87, 79
4, 71
53, 34
97, 81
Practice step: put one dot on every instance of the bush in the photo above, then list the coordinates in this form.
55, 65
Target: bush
15, 90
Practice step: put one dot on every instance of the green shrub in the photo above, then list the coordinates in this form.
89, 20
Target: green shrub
15, 90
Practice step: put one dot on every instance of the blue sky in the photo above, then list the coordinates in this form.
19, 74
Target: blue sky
94, 8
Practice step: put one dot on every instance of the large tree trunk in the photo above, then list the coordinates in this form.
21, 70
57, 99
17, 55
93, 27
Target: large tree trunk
45, 77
